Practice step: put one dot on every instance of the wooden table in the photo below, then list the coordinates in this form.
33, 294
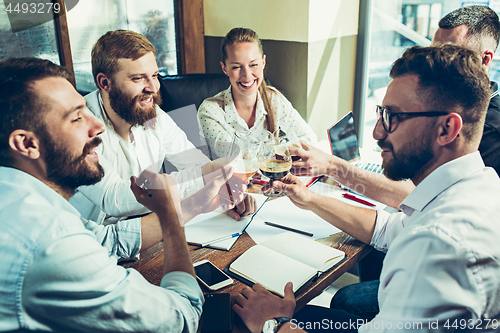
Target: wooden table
151, 266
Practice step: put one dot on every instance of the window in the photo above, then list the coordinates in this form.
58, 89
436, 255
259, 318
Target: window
39, 41
93, 18
89, 20
395, 26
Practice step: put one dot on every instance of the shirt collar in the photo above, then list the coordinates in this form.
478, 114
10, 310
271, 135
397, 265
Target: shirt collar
232, 114
439, 180
104, 114
493, 89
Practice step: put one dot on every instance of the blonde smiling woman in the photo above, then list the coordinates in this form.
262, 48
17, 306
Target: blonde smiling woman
249, 103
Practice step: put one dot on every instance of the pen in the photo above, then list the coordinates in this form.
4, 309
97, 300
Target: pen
354, 198
220, 239
314, 180
289, 229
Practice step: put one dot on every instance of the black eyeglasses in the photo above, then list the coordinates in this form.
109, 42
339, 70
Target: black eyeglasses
390, 120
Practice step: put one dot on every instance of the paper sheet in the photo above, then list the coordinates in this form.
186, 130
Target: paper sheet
283, 211
211, 226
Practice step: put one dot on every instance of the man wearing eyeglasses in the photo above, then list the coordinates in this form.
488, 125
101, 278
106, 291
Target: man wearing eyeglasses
443, 260
473, 27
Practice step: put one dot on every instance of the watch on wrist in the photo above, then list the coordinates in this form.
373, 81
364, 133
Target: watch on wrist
273, 325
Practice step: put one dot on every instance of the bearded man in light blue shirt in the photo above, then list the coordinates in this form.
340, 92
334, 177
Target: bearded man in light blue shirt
55, 275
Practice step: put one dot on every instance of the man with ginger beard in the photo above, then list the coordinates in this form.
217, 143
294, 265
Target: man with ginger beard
139, 135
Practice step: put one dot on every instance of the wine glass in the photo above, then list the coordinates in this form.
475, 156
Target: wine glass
276, 163
245, 154
289, 138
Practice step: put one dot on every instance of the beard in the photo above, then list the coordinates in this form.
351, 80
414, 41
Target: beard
410, 162
129, 109
67, 170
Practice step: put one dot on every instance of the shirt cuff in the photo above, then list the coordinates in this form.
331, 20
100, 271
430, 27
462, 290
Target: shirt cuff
184, 284
377, 240
129, 238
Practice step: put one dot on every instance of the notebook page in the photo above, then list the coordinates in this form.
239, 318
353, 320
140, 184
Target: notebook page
271, 269
304, 249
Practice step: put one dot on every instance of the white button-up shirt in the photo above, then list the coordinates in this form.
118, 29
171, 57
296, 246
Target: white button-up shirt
56, 277
443, 252
219, 118
111, 199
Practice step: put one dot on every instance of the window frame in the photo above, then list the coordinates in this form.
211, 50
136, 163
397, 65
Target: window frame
190, 37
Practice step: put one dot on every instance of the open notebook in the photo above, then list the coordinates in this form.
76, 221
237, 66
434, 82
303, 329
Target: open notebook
344, 143
282, 258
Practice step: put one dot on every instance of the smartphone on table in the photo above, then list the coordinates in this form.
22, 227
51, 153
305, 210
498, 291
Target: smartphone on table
210, 276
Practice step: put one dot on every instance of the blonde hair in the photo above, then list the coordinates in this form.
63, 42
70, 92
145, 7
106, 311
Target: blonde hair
115, 45
242, 35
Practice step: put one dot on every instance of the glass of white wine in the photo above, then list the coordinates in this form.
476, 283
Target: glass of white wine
245, 154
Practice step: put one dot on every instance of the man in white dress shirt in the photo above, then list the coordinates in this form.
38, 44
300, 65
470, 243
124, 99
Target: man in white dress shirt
442, 267
139, 135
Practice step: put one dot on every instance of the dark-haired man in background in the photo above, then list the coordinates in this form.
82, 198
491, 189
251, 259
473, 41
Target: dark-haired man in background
478, 28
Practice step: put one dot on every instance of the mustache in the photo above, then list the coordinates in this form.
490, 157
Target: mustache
144, 96
384, 145
89, 146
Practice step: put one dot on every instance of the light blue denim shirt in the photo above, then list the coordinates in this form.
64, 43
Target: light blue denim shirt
442, 267
55, 276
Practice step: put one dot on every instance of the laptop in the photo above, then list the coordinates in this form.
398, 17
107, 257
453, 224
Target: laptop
344, 143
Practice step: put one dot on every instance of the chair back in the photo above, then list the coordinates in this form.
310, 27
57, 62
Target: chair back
182, 90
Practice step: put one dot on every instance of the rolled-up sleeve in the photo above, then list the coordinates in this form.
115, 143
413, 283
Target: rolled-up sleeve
122, 239
73, 285
383, 235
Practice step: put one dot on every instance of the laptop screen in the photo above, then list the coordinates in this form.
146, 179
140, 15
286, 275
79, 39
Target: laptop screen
343, 139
